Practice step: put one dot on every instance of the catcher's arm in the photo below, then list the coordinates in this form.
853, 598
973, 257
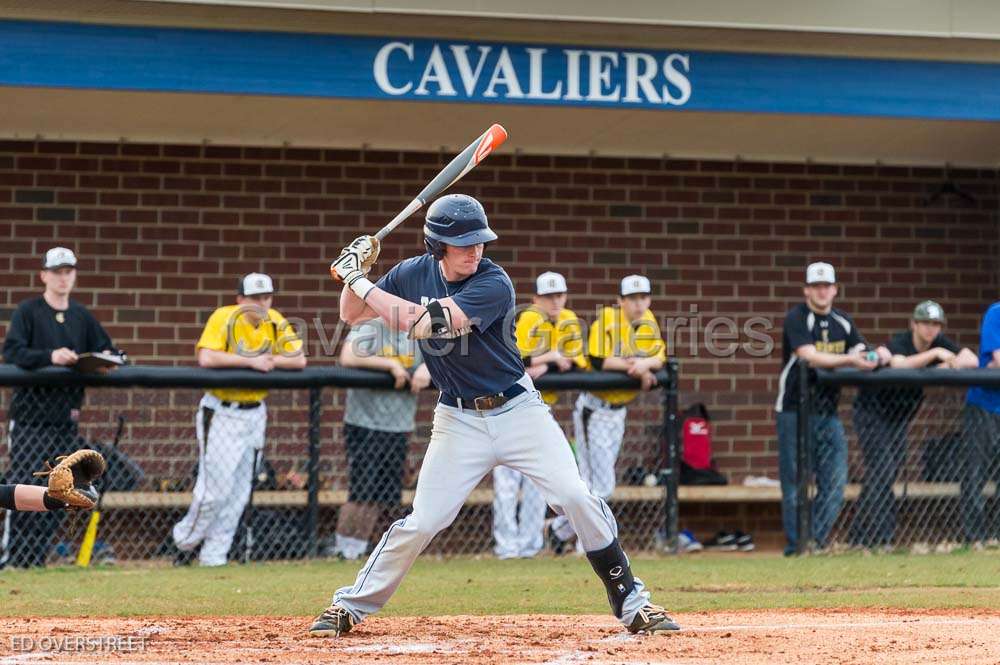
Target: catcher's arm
28, 498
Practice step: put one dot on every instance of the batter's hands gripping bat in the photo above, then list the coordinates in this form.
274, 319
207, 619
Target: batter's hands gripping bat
448, 176
90, 535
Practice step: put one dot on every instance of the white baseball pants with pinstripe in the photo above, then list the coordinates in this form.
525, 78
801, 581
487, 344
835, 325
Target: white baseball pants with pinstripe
228, 439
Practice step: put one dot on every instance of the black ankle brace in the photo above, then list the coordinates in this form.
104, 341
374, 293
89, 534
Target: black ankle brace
611, 565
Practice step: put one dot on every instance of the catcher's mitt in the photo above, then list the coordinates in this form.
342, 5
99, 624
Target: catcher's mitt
70, 480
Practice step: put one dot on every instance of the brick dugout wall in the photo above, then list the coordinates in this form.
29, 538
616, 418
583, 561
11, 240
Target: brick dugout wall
164, 230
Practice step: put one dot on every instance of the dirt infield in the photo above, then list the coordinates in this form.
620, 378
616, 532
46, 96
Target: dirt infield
794, 636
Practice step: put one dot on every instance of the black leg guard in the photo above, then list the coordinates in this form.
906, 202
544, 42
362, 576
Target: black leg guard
7, 497
611, 565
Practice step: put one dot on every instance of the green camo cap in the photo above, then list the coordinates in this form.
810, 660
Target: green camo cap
928, 310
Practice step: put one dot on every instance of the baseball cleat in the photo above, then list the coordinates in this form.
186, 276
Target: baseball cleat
333, 622
652, 619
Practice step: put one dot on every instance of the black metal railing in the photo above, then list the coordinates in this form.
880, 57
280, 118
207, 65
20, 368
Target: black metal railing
303, 474
908, 460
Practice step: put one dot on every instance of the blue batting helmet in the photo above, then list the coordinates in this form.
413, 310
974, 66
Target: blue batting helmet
456, 219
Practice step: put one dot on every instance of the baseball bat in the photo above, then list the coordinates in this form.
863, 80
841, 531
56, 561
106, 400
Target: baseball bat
467, 160
90, 535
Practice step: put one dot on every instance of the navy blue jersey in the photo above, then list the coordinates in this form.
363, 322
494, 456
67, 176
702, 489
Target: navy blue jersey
480, 360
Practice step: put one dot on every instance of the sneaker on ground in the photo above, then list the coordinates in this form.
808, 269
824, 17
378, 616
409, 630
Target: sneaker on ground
688, 543
723, 541
744, 542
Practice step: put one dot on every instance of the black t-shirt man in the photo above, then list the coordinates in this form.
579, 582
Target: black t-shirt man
40, 335
834, 332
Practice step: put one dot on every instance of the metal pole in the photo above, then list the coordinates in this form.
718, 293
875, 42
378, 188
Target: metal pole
803, 503
671, 507
312, 508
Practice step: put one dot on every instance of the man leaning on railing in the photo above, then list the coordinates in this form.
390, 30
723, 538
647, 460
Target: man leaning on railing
882, 417
824, 337
230, 422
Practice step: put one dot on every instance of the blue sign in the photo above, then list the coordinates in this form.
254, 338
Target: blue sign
66, 55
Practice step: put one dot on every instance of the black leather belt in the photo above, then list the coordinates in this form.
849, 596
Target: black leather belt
486, 402
241, 405
608, 405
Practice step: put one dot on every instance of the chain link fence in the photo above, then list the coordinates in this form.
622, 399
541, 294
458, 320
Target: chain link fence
898, 460
200, 469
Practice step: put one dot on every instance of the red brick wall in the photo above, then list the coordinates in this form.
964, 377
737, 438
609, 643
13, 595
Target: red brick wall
164, 230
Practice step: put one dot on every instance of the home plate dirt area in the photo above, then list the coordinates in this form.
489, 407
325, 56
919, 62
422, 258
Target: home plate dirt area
767, 636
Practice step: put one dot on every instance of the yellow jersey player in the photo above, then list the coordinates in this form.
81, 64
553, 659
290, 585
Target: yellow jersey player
626, 339
230, 422
550, 339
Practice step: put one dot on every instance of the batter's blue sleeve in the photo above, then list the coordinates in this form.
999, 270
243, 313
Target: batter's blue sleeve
485, 300
389, 282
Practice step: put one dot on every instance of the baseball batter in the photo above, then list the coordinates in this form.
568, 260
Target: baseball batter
460, 306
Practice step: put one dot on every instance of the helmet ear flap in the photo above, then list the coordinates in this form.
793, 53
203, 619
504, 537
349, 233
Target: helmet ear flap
435, 248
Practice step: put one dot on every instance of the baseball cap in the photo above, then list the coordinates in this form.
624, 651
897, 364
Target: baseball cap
550, 282
820, 273
635, 284
928, 310
255, 284
59, 257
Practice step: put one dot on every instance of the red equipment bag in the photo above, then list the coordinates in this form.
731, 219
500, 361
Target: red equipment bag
696, 437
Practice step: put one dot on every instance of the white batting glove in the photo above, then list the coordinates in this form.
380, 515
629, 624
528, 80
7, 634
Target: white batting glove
347, 269
367, 248
345, 265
